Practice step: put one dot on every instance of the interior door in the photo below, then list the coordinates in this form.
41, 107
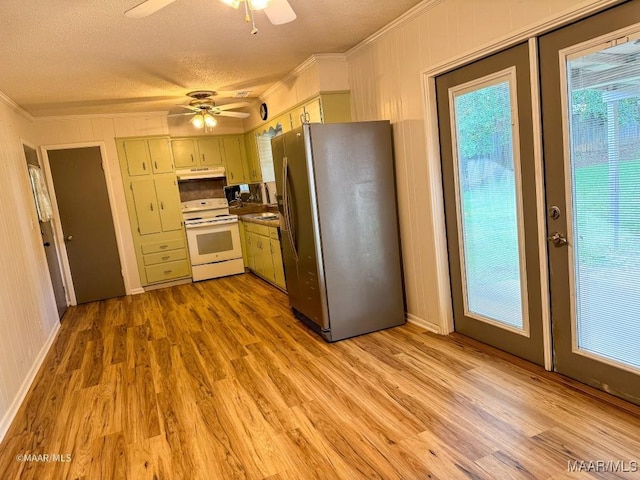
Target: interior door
87, 223
486, 140
50, 250
591, 125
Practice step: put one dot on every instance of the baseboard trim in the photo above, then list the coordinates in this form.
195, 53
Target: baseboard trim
421, 322
8, 418
136, 291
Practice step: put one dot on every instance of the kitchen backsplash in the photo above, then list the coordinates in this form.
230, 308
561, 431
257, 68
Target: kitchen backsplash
201, 188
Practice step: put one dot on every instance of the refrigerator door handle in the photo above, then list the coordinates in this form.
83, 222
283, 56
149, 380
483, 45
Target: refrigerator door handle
287, 210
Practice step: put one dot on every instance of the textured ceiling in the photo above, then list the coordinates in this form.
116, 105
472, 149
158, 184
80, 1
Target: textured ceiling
60, 57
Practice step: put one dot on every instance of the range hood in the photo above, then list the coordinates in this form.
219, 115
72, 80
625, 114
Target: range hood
200, 173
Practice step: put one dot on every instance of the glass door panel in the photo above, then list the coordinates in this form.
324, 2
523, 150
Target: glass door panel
603, 96
488, 169
489, 201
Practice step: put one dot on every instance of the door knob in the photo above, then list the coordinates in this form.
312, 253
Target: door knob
47, 244
558, 239
69, 238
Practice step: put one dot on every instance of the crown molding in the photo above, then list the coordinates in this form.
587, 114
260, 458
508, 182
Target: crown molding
296, 72
15, 107
405, 17
100, 115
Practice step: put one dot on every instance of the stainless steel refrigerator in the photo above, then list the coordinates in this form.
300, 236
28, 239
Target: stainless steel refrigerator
340, 244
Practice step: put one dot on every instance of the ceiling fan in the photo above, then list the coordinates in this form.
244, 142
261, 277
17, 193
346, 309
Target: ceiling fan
277, 11
203, 109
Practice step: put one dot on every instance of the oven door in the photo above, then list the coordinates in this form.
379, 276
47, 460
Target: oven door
217, 242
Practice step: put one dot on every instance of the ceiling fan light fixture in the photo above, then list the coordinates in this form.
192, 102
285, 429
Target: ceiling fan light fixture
198, 121
209, 120
231, 3
258, 4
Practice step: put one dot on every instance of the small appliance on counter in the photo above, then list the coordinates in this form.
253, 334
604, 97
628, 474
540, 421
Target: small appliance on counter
213, 238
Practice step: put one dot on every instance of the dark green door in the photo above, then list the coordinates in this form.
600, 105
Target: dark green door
486, 140
87, 224
591, 129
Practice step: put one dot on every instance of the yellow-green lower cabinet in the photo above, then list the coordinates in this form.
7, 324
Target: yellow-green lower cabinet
162, 257
263, 254
278, 267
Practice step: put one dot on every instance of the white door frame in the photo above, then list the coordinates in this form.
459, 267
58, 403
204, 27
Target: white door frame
433, 159
63, 256
54, 223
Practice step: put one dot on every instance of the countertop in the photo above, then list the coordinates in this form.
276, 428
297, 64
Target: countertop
247, 208
253, 218
247, 213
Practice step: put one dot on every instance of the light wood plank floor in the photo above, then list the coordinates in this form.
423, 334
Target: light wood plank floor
217, 380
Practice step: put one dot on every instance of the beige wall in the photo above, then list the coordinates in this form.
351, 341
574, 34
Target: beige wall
319, 73
386, 83
27, 308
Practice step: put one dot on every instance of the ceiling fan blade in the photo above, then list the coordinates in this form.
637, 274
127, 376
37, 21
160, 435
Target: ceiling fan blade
189, 107
146, 8
230, 114
230, 106
279, 12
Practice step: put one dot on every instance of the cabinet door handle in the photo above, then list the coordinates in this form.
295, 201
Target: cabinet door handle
167, 257
203, 157
302, 118
163, 247
144, 166
156, 165
231, 175
151, 206
161, 205
192, 158
167, 272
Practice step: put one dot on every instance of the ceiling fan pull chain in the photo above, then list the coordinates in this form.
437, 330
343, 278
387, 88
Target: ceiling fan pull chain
248, 17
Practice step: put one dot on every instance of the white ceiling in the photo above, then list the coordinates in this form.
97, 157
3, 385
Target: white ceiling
61, 57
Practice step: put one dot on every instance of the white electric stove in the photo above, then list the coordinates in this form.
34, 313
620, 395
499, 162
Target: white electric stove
213, 237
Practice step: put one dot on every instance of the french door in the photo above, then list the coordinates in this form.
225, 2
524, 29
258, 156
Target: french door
590, 110
486, 140
590, 87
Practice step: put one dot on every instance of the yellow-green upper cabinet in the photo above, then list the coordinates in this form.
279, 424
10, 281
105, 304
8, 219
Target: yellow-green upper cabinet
136, 153
310, 112
253, 173
297, 117
160, 154
184, 152
284, 121
234, 155
334, 107
326, 108
210, 150
313, 111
